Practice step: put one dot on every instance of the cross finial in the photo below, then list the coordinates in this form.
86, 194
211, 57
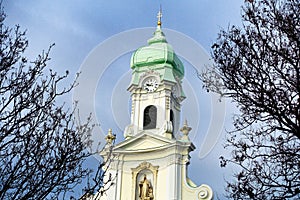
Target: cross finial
159, 16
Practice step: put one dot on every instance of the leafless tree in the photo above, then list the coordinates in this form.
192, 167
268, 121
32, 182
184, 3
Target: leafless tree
42, 147
257, 66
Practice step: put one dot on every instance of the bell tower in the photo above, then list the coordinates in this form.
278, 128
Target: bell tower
156, 90
151, 163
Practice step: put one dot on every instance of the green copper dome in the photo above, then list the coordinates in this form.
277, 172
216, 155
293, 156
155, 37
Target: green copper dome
157, 52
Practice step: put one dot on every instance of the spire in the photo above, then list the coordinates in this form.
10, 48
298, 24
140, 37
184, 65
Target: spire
159, 16
159, 36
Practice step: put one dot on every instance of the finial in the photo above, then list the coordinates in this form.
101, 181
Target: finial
159, 16
110, 137
185, 123
185, 130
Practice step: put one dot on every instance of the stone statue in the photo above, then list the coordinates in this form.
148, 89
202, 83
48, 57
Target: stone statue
145, 189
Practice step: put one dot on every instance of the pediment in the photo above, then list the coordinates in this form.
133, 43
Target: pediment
144, 141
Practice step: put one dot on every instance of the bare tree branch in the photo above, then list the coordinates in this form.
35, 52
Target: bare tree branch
257, 66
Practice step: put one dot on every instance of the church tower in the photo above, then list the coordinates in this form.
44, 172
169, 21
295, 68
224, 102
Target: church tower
155, 88
151, 163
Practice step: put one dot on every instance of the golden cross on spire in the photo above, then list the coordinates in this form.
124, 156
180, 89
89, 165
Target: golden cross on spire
159, 16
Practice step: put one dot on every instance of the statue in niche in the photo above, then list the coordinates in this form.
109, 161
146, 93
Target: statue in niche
145, 189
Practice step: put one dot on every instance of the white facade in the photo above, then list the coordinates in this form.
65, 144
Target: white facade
163, 160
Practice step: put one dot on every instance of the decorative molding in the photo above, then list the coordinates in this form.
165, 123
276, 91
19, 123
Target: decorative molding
133, 102
175, 159
150, 72
167, 102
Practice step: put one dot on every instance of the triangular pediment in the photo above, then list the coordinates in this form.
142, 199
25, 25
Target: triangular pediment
144, 141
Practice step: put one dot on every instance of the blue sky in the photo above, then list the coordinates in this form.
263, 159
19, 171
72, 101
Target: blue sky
78, 27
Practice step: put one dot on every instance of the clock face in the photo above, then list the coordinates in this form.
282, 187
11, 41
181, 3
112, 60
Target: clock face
151, 85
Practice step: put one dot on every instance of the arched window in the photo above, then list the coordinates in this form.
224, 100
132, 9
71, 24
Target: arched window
150, 115
172, 119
